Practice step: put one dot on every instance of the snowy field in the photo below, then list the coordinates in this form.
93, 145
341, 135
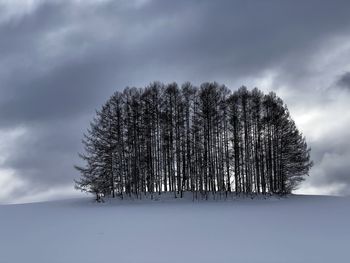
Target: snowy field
293, 229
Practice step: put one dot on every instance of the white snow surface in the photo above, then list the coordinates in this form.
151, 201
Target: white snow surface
293, 229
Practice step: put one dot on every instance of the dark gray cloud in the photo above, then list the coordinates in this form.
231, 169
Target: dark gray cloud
62, 59
344, 80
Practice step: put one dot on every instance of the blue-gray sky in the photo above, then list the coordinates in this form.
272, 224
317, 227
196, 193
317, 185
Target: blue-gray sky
61, 59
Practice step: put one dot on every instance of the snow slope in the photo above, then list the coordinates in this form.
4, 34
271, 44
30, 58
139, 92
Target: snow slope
294, 229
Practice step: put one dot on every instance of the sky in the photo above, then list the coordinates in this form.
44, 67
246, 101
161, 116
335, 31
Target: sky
62, 59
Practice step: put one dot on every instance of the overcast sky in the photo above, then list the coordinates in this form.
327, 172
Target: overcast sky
60, 60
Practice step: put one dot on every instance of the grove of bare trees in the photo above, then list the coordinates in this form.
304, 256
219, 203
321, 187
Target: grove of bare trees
204, 140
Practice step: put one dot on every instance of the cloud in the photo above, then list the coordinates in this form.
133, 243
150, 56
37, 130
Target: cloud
62, 59
329, 176
344, 80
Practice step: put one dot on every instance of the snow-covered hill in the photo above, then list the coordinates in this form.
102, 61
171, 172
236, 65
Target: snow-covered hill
294, 229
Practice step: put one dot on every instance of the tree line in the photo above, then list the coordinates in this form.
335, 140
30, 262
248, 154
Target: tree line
204, 140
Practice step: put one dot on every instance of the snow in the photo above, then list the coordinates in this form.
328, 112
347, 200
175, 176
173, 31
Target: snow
294, 229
